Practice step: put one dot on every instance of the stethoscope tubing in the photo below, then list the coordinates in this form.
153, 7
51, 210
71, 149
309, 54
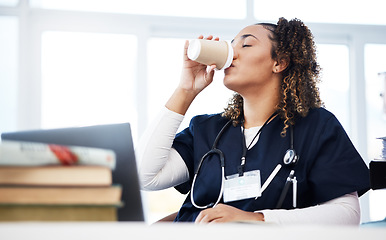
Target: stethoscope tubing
222, 163
213, 151
219, 196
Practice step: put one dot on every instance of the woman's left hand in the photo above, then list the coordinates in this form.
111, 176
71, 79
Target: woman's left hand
226, 213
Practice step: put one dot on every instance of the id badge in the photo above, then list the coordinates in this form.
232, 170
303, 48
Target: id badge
244, 187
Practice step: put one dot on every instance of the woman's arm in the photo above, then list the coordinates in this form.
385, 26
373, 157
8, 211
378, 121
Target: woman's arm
344, 210
161, 166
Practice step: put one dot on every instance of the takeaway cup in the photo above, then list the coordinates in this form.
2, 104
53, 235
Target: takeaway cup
210, 52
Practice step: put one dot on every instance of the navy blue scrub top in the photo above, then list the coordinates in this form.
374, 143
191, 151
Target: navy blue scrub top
329, 165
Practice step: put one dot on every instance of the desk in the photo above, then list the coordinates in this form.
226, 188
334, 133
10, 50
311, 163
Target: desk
231, 231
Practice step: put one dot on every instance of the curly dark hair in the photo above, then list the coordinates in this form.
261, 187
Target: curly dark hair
293, 42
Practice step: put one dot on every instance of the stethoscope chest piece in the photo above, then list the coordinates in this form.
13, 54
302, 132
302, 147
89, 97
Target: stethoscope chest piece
290, 157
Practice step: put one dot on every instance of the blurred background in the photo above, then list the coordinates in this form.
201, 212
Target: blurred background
70, 63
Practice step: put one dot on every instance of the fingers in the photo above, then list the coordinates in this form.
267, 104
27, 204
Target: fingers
210, 37
186, 50
211, 215
211, 68
225, 213
210, 72
207, 216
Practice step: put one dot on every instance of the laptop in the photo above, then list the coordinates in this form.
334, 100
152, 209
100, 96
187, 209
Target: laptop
116, 137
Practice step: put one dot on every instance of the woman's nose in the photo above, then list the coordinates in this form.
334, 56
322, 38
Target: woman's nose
235, 53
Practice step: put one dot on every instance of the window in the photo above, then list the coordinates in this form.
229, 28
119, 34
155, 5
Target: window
8, 3
335, 82
328, 11
8, 73
87, 79
185, 8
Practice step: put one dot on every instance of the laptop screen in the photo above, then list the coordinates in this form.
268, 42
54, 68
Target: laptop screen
116, 137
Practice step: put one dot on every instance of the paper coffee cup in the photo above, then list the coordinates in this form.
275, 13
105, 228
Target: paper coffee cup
211, 52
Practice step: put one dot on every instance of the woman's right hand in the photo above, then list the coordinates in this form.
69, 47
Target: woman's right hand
195, 77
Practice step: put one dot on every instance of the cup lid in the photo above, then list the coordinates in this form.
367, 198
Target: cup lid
230, 56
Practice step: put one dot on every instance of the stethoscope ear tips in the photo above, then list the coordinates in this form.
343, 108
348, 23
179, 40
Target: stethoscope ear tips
290, 157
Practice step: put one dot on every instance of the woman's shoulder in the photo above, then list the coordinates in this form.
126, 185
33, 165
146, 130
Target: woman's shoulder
320, 114
208, 118
319, 117
205, 122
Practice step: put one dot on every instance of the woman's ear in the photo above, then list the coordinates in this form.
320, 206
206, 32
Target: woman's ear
280, 65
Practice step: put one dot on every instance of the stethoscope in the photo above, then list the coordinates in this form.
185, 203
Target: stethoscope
290, 159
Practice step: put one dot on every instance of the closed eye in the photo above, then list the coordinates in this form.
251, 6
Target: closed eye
246, 45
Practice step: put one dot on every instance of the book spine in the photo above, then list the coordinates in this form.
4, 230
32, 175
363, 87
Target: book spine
57, 213
87, 195
17, 153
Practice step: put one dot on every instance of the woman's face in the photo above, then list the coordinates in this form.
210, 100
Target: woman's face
252, 66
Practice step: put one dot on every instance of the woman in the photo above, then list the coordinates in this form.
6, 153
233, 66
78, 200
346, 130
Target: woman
276, 107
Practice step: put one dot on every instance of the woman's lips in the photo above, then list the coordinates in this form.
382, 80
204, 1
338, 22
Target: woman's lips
227, 69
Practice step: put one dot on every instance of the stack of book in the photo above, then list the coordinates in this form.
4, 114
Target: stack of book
46, 182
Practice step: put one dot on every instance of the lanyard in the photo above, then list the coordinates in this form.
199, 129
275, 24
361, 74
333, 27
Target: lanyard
245, 148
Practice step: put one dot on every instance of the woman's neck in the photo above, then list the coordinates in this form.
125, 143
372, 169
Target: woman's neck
259, 108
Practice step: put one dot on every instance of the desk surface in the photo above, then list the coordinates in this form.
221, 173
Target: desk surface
233, 231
